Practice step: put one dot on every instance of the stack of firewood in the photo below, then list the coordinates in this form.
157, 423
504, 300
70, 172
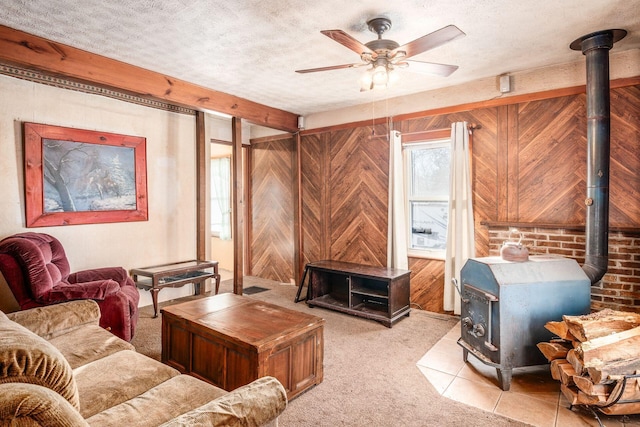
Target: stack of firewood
596, 357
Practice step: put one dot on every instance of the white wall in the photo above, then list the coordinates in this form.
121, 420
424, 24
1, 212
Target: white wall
170, 233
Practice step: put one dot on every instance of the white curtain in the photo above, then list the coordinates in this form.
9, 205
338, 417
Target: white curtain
221, 183
397, 230
460, 231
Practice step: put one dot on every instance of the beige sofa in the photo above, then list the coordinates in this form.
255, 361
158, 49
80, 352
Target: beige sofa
59, 368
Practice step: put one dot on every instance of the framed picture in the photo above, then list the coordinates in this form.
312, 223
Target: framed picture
75, 176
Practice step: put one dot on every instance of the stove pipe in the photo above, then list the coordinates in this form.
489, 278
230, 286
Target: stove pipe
595, 47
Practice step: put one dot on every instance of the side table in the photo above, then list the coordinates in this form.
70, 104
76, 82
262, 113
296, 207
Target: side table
175, 275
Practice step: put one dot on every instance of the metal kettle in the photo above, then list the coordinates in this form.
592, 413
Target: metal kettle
514, 251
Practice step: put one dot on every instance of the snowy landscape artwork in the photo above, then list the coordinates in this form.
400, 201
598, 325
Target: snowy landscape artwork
79, 176
88, 177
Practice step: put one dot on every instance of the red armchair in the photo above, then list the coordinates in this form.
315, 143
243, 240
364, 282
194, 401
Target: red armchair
36, 269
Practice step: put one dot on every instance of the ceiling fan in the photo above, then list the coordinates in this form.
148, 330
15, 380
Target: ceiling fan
385, 55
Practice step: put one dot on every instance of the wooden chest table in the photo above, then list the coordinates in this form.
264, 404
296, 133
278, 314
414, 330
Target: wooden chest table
230, 340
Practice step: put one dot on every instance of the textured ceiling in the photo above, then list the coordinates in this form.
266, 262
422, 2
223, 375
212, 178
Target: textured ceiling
251, 48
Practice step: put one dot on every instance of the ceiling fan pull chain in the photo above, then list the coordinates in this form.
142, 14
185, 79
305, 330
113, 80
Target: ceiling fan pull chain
373, 116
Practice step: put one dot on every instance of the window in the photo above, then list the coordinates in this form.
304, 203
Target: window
221, 197
427, 166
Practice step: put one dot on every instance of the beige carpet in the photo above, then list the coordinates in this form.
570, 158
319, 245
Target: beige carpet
370, 373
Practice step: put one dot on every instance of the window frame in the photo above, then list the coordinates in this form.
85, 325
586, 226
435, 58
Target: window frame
410, 142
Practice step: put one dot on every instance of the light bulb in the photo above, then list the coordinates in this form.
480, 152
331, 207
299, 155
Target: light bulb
393, 77
366, 81
380, 76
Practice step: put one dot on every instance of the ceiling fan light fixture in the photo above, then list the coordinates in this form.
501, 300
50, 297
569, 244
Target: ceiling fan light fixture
377, 77
385, 55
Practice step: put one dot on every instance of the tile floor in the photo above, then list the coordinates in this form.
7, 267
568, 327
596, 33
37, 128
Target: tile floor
534, 397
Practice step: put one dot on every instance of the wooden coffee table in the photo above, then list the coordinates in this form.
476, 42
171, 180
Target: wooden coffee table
230, 340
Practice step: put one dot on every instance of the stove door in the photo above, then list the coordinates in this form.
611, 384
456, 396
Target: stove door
480, 323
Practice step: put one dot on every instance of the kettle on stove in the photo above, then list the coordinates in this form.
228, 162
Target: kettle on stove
514, 251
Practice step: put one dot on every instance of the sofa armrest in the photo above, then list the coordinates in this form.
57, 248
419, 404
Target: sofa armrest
53, 320
34, 405
254, 404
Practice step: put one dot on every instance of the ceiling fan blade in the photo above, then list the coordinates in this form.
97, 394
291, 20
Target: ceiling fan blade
331, 67
349, 42
430, 41
432, 68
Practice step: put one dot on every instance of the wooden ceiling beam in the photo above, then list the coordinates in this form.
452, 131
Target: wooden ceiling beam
36, 53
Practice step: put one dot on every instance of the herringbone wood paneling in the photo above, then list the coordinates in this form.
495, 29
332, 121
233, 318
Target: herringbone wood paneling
427, 279
551, 152
272, 235
624, 182
312, 197
529, 165
358, 196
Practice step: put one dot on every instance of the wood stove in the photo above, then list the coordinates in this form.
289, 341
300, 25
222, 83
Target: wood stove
505, 306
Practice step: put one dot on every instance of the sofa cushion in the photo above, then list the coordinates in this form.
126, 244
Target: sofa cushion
254, 404
159, 404
88, 343
58, 319
34, 405
27, 358
114, 379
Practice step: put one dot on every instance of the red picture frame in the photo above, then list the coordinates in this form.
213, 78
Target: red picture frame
75, 176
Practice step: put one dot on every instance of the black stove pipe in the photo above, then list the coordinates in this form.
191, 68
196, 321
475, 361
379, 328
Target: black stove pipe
595, 47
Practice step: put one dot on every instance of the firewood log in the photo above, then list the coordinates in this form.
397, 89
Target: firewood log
630, 393
554, 350
588, 399
560, 329
622, 409
603, 373
601, 323
618, 346
556, 367
571, 393
577, 397
587, 386
576, 361
566, 373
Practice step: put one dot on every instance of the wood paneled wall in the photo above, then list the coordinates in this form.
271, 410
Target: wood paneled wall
345, 195
315, 206
625, 159
358, 196
272, 209
529, 166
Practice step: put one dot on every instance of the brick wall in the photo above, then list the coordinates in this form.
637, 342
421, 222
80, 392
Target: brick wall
619, 289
